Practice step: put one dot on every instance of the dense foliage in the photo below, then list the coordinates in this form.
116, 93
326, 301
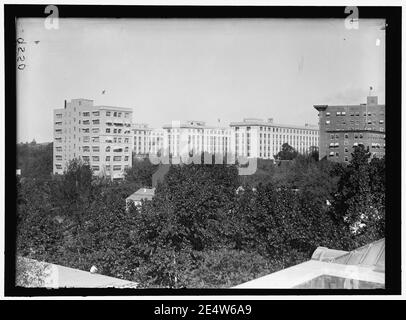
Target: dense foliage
35, 160
206, 226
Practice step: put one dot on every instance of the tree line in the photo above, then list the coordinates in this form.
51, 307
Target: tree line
206, 226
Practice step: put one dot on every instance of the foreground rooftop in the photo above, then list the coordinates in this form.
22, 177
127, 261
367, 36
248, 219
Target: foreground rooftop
49, 275
362, 268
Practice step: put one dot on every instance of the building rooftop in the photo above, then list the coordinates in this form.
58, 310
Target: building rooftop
193, 124
269, 122
140, 194
362, 268
51, 275
114, 108
371, 101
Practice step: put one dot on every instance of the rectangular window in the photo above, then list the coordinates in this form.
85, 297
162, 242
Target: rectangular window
86, 114
96, 158
96, 149
116, 168
95, 168
108, 113
96, 121
117, 158
107, 158
96, 113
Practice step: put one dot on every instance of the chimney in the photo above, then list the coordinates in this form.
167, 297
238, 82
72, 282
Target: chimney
270, 120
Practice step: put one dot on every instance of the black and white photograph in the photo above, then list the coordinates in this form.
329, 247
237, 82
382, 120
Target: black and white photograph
240, 151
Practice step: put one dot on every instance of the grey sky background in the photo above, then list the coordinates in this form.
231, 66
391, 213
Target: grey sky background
200, 69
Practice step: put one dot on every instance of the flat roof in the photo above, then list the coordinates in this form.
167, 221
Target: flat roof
57, 276
193, 126
114, 108
272, 124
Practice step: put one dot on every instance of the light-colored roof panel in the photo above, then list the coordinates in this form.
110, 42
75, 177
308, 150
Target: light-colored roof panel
49, 275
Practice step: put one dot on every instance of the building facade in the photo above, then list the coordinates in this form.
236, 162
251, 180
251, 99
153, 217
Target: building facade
141, 139
195, 137
344, 126
258, 138
156, 141
147, 140
98, 135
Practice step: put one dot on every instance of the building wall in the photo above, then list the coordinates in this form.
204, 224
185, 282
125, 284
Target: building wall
99, 135
142, 135
147, 140
263, 139
344, 126
196, 137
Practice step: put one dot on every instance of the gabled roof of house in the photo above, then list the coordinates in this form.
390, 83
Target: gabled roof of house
143, 193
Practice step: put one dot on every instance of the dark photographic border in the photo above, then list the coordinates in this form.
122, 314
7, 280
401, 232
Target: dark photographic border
393, 133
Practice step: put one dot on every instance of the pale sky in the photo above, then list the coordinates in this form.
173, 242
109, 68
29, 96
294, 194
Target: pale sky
197, 69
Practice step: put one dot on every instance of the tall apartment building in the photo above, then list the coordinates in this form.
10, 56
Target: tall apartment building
99, 135
344, 126
195, 137
258, 138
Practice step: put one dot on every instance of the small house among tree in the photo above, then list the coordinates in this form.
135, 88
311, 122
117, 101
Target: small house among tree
140, 194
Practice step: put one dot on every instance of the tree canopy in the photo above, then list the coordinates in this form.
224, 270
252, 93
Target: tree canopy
206, 226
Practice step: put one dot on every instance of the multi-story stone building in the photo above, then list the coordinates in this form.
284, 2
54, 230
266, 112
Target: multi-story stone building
142, 135
258, 138
147, 140
344, 126
193, 137
99, 135
156, 141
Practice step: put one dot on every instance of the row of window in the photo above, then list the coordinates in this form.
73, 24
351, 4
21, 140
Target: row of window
356, 113
108, 158
284, 130
108, 149
108, 114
